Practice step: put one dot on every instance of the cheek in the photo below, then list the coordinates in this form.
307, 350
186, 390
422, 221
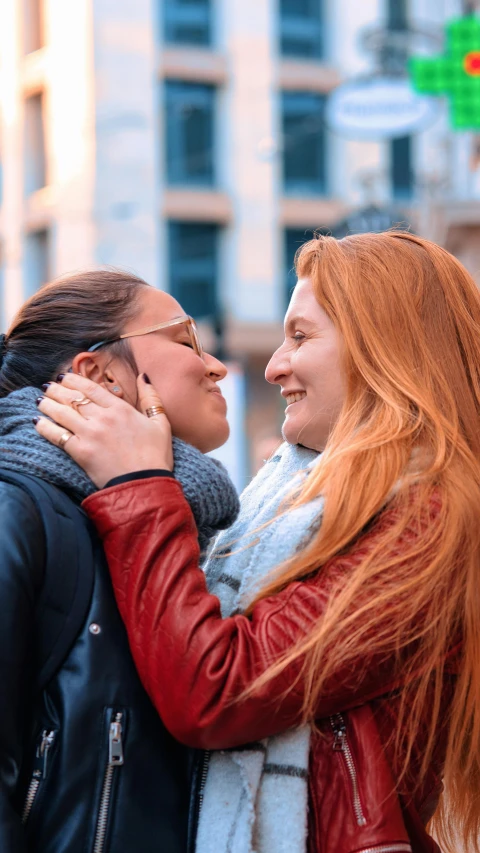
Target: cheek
321, 374
180, 388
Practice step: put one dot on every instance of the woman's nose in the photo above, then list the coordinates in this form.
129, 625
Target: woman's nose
215, 369
277, 368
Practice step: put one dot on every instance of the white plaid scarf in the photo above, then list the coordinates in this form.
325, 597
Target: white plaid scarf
255, 799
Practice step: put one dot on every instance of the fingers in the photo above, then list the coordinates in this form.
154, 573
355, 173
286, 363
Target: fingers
148, 397
87, 388
63, 414
57, 392
54, 433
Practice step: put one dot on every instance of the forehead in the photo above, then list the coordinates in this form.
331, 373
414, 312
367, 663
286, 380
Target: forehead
304, 304
154, 306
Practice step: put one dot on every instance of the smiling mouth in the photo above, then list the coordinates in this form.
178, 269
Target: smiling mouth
295, 398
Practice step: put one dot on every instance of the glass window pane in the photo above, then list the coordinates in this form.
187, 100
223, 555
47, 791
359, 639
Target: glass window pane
187, 21
293, 239
190, 124
36, 269
397, 14
193, 264
401, 167
301, 28
34, 144
304, 142
2, 290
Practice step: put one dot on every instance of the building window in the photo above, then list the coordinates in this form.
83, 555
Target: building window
1, 170
33, 25
301, 28
293, 239
35, 172
2, 289
193, 266
304, 152
397, 14
190, 128
187, 21
36, 261
401, 172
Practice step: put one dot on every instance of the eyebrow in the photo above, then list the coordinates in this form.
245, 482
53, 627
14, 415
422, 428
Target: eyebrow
297, 318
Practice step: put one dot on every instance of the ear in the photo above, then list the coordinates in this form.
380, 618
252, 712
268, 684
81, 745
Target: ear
92, 366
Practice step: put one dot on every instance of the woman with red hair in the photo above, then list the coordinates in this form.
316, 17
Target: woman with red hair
367, 631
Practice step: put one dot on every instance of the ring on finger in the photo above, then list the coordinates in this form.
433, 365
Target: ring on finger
80, 401
65, 436
152, 411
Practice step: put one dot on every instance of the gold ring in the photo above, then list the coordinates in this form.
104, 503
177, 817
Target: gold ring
154, 410
65, 436
81, 401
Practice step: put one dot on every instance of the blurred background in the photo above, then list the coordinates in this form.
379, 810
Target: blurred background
198, 143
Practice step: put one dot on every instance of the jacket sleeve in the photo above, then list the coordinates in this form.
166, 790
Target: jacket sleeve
21, 569
193, 663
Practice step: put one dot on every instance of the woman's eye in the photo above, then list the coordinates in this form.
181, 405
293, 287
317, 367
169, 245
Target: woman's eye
298, 337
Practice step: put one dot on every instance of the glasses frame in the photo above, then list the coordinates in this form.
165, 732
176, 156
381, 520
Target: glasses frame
184, 320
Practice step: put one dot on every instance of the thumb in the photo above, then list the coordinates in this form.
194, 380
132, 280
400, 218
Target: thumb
149, 402
149, 399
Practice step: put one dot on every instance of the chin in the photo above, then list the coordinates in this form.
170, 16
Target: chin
290, 433
214, 439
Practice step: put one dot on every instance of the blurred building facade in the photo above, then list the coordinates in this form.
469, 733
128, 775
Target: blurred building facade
185, 140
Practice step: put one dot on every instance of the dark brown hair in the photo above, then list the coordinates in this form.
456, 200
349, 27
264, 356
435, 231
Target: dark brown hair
64, 318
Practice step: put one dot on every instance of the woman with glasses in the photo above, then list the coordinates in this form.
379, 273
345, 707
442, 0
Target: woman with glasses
86, 764
328, 663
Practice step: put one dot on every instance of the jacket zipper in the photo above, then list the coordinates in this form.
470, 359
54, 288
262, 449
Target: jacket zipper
203, 780
400, 847
115, 759
39, 771
341, 744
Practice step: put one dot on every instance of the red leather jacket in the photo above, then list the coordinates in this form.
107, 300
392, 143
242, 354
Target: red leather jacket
193, 663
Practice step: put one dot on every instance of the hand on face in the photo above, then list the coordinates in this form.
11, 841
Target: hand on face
187, 383
109, 436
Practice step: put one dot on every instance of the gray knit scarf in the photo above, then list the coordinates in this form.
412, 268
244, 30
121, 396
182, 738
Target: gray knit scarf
255, 799
205, 482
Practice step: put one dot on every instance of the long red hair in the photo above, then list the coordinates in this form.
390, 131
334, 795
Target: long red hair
408, 436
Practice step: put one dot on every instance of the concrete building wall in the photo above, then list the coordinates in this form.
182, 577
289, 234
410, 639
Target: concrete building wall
102, 72
126, 138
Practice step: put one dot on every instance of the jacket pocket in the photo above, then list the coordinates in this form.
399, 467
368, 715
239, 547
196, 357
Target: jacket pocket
113, 764
342, 746
41, 766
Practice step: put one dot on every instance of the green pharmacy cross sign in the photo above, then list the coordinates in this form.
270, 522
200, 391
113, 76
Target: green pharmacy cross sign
457, 74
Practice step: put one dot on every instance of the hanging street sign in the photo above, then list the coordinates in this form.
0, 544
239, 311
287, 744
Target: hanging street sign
370, 218
456, 74
376, 108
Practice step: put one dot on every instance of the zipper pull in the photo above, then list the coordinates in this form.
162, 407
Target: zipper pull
115, 746
41, 755
340, 734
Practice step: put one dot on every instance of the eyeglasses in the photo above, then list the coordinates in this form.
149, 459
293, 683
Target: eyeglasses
187, 321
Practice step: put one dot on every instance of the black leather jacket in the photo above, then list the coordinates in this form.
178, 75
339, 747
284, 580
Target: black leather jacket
55, 750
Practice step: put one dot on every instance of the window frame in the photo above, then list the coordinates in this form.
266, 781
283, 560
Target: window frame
180, 94
183, 270
317, 186
307, 27
401, 184
34, 145
175, 15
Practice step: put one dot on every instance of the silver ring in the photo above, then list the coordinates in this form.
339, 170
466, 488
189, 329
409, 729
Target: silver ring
64, 438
